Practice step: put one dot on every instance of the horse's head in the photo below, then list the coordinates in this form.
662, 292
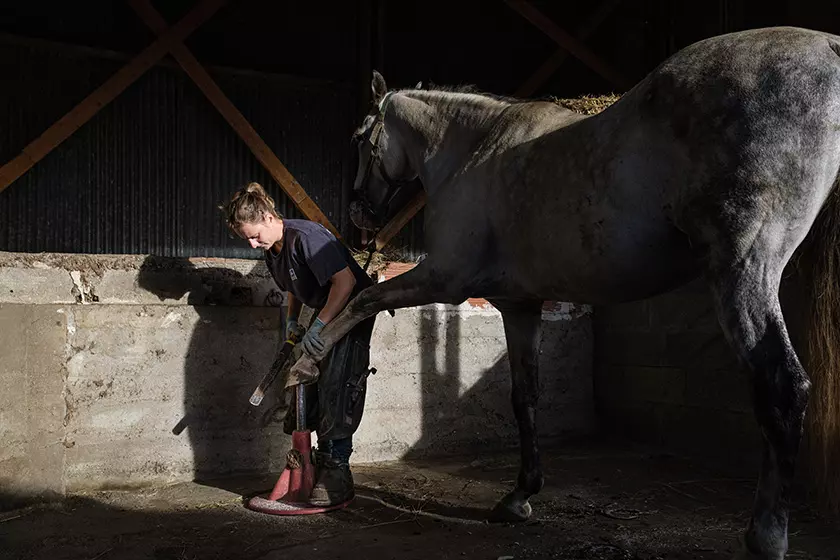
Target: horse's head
384, 167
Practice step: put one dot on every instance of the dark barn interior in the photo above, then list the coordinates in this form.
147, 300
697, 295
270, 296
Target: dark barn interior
116, 150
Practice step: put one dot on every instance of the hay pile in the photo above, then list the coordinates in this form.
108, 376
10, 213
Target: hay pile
588, 104
380, 259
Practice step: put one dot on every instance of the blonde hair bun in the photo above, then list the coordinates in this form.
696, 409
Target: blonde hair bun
247, 206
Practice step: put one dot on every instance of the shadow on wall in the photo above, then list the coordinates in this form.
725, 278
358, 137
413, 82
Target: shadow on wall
468, 411
228, 354
455, 423
226, 357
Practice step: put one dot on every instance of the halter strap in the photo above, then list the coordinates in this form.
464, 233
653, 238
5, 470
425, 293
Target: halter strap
383, 103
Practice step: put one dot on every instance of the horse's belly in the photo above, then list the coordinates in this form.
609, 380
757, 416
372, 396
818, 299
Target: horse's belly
613, 267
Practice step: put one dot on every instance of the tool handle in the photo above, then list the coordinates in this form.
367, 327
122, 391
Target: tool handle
279, 363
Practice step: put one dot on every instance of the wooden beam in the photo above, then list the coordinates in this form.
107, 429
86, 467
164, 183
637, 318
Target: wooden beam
565, 40
104, 94
71, 49
559, 57
393, 227
240, 124
542, 73
412, 208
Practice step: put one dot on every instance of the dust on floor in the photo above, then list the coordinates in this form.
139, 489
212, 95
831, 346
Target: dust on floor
599, 503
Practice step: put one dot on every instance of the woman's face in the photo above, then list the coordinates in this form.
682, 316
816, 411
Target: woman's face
262, 234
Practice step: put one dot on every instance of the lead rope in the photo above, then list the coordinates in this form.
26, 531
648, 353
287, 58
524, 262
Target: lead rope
371, 249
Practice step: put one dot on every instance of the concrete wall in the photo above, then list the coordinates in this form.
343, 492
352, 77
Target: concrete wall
665, 374
102, 356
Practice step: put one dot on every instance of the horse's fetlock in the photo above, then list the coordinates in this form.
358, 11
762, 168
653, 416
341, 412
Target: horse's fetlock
766, 542
532, 482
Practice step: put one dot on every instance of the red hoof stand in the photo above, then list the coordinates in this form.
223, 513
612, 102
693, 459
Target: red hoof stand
291, 493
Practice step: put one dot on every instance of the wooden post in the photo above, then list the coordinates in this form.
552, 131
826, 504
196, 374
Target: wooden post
231, 114
565, 40
104, 94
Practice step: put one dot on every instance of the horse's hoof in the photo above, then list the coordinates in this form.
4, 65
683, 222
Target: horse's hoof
744, 553
511, 509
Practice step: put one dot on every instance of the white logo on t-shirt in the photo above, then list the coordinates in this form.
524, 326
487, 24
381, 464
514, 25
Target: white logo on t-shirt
292, 274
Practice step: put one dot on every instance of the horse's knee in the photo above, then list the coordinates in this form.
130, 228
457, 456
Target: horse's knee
781, 398
781, 385
528, 363
784, 390
525, 389
524, 393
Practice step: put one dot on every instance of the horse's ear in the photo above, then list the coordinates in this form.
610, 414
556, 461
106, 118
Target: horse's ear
419, 85
378, 87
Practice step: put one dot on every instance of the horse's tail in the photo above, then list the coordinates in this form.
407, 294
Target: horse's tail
820, 351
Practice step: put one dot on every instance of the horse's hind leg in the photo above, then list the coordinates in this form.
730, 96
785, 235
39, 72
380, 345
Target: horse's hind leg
523, 331
746, 289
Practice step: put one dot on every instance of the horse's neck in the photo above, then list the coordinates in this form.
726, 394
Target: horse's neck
446, 130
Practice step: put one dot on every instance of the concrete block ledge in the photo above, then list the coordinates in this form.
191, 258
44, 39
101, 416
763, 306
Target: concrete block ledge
103, 355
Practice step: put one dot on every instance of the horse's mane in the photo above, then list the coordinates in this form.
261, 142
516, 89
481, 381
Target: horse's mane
460, 93
472, 89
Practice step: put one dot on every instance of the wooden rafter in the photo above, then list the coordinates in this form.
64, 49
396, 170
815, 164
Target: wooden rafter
554, 62
568, 42
234, 117
36, 150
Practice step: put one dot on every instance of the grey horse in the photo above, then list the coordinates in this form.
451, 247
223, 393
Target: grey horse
717, 164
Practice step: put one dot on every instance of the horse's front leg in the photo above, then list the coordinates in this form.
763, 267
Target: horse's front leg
523, 332
417, 286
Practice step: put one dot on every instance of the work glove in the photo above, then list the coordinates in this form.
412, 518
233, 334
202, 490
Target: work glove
312, 342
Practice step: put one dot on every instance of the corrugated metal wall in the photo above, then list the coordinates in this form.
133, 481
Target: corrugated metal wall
146, 174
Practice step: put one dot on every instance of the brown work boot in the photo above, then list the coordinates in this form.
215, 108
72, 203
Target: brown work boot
333, 483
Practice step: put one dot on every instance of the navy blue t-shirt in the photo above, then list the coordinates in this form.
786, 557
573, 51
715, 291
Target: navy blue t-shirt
310, 256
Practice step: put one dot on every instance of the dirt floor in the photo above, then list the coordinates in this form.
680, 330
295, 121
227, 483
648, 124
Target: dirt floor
600, 502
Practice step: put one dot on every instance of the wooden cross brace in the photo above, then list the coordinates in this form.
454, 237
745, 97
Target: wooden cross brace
170, 40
